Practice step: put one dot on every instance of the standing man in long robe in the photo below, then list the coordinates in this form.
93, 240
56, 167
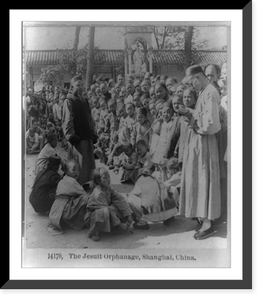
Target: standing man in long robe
79, 131
200, 185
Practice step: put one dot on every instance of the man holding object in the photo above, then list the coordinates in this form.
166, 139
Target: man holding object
200, 184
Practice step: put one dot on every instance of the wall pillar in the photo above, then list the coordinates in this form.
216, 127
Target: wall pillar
150, 58
125, 63
129, 61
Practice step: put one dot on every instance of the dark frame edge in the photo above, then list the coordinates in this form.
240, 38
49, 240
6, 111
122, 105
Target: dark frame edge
247, 148
246, 283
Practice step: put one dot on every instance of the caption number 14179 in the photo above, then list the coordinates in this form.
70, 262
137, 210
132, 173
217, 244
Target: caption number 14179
56, 256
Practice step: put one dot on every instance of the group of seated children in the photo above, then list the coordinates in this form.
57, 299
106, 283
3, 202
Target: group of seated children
95, 205
44, 112
139, 140
133, 137
142, 127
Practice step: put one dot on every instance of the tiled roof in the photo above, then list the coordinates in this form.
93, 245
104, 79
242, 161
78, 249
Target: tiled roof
41, 57
116, 57
51, 57
168, 57
209, 57
109, 57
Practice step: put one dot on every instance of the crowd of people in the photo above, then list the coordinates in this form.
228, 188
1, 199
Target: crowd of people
151, 129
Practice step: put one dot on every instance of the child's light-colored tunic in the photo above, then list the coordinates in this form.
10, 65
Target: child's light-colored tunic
155, 135
160, 154
105, 208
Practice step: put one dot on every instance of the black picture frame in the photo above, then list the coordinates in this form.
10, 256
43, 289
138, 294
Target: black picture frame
246, 282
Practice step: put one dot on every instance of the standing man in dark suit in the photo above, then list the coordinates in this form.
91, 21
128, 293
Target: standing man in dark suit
79, 131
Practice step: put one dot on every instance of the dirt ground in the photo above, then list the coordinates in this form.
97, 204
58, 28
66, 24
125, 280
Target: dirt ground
179, 234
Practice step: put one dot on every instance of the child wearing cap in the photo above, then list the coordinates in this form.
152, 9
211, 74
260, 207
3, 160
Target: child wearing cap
137, 85
152, 93
95, 112
129, 93
103, 116
130, 119
141, 129
160, 154
137, 99
161, 91
145, 87
112, 124
129, 162
155, 127
170, 85
144, 164
114, 159
189, 102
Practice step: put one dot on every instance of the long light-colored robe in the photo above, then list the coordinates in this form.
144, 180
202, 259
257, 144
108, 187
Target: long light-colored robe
200, 185
105, 208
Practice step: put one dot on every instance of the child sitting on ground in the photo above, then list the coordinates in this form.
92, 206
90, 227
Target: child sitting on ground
103, 116
114, 161
71, 200
48, 150
106, 208
172, 178
128, 163
95, 112
141, 130
144, 164
32, 142
155, 110
44, 188
112, 124
145, 103
130, 119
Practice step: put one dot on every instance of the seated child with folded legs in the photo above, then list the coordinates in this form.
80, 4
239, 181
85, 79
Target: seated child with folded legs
144, 164
70, 201
32, 142
44, 188
113, 159
172, 179
128, 163
106, 208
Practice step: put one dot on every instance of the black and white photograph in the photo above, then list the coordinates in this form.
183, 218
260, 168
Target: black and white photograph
126, 138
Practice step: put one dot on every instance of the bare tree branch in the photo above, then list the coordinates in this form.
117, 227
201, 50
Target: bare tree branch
76, 39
